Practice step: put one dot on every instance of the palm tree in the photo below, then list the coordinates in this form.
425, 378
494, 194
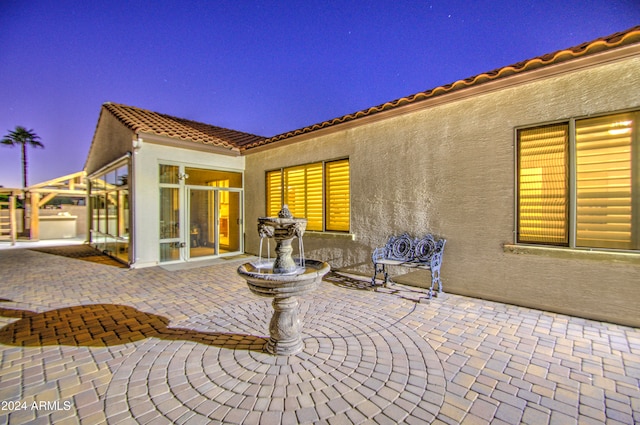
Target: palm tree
23, 137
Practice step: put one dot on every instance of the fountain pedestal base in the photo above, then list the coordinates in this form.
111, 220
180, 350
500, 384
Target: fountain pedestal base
284, 328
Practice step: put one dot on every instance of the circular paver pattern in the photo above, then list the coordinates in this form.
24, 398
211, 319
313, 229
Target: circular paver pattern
356, 363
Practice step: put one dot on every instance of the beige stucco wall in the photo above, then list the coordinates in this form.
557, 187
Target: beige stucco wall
449, 169
111, 141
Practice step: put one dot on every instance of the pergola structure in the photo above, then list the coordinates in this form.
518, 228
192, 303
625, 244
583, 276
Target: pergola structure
41, 193
8, 223
35, 197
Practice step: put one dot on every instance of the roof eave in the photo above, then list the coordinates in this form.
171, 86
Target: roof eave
188, 144
593, 53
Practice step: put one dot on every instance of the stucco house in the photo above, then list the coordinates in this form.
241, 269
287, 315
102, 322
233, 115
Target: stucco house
164, 189
531, 172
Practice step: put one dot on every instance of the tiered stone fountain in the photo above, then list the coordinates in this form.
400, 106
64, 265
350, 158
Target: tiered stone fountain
283, 279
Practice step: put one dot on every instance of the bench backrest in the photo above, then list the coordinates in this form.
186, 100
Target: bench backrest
405, 248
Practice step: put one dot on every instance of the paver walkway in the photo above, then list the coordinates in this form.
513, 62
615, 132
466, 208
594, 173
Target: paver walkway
88, 342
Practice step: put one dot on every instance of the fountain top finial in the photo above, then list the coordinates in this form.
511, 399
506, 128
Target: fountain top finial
284, 212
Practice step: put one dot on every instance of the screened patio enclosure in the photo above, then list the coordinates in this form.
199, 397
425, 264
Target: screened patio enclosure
109, 210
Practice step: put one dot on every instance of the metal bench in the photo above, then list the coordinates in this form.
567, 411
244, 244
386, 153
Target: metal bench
423, 253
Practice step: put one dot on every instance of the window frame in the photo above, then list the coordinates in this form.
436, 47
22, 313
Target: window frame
567, 187
117, 238
325, 198
572, 183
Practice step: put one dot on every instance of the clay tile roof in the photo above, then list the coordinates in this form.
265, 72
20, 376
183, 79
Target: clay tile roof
623, 38
144, 121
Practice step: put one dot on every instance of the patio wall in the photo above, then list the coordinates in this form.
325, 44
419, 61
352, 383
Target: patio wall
449, 169
78, 211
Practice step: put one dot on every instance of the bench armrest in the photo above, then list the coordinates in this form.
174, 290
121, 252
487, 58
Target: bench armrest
378, 254
436, 258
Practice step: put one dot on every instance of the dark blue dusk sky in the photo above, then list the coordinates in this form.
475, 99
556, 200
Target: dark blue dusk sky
263, 67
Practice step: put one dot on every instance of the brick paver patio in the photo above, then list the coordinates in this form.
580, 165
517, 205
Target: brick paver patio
89, 342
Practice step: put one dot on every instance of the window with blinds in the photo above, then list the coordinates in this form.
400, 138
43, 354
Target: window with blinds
604, 177
580, 188
274, 193
338, 195
542, 185
318, 191
303, 193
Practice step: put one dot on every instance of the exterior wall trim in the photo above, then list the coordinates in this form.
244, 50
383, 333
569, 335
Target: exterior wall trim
574, 253
330, 235
185, 144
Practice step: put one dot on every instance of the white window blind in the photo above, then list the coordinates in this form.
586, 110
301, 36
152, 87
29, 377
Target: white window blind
295, 191
604, 182
314, 197
542, 185
338, 195
274, 193
303, 193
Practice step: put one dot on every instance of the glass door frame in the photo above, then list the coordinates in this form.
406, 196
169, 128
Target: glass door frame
175, 182
187, 225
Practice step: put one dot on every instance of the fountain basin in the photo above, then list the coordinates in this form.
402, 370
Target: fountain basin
263, 281
284, 327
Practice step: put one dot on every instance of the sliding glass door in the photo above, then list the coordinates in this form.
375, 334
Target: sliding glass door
214, 222
202, 237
